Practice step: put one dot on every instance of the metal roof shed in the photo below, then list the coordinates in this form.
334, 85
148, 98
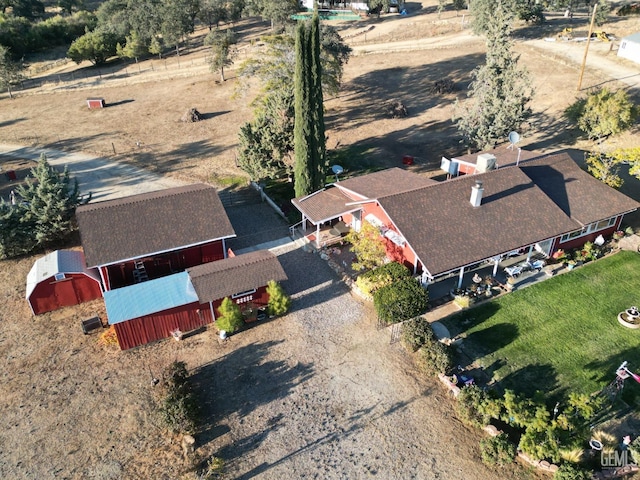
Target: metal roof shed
61, 279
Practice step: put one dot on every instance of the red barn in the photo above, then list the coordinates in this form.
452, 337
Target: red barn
152, 235
151, 310
61, 279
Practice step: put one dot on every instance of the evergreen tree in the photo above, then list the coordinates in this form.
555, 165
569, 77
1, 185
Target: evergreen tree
279, 301
318, 139
303, 168
230, 317
309, 131
10, 71
500, 91
49, 202
221, 44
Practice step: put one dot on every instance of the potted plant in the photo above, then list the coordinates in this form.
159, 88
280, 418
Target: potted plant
618, 234
559, 255
571, 264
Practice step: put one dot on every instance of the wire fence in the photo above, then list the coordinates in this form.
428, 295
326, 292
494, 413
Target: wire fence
88, 77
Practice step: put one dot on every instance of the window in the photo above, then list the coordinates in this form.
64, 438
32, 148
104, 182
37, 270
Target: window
592, 227
243, 294
59, 276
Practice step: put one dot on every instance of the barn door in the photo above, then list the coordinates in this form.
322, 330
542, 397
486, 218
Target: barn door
65, 293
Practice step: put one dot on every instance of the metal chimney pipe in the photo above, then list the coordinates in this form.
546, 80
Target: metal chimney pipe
476, 194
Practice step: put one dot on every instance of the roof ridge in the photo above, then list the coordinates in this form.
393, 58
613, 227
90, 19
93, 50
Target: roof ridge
152, 195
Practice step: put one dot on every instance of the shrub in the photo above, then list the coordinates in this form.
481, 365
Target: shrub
230, 318
497, 450
279, 301
379, 277
603, 113
179, 407
214, 469
634, 448
434, 357
368, 246
477, 407
416, 333
400, 301
571, 472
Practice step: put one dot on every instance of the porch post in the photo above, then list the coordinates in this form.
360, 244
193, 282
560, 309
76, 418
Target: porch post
495, 267
318, 236
304, 223
213, 315
460, 277
415, 265
529, 253
224, 248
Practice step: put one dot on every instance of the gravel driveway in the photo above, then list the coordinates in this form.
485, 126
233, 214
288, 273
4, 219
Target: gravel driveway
321, 394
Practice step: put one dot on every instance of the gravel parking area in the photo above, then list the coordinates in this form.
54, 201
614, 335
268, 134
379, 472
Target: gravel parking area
321, 394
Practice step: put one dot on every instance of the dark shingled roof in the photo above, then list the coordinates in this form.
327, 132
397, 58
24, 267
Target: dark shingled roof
216, 280
447, 232
149, 223
385, 182
324, 205
332, 202
578, 194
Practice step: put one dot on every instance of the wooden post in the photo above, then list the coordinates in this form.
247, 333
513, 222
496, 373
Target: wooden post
586, 48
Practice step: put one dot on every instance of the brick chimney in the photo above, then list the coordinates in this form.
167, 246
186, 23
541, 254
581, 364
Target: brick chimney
476, 194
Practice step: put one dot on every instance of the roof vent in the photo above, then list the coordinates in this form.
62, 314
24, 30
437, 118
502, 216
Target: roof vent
476, 194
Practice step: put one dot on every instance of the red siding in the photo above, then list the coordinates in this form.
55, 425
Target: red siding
579, 241
402, 255
143, 330
121, 275
50, 294
255, 300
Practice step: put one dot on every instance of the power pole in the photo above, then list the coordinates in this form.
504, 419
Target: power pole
586, 48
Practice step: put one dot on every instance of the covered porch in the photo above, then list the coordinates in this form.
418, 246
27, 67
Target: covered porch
322, 213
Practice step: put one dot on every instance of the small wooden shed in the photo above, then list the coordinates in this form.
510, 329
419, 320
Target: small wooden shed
93, 103
61, 279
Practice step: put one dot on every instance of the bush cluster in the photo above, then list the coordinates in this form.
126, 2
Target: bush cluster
400, 301
497, 450
22, 36
416, 333
179, 407
379, 277
434, 357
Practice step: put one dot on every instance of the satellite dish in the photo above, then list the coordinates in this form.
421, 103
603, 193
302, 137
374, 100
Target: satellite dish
514, 137
337, 169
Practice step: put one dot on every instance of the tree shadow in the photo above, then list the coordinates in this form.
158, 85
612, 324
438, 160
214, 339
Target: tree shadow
354, 425
531, 379
483, 342
120, 102
240, 382
13, 121
465, 320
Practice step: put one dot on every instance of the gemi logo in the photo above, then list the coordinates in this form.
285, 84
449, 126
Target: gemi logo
614, 459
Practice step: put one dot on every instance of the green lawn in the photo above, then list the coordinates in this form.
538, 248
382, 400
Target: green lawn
561, 335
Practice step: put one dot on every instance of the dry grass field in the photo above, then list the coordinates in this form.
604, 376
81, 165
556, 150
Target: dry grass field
74, 409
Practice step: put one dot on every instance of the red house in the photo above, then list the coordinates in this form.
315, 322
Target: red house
442, 228
151, 310
61, 279
152, 235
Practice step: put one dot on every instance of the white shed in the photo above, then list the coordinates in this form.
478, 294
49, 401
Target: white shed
630, 48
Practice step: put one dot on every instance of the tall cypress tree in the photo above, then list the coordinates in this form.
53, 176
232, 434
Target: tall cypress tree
309, 130
317, 105
302, 126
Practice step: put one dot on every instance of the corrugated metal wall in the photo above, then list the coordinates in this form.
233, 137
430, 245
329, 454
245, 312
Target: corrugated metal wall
143, 330
51, 295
